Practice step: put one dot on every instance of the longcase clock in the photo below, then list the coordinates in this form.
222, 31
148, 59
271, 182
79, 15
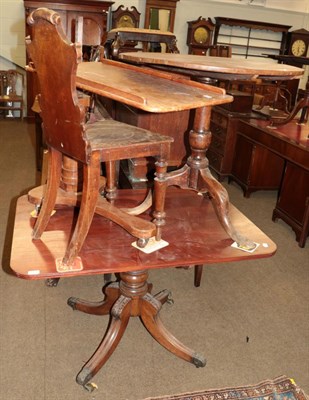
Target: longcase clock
199, 37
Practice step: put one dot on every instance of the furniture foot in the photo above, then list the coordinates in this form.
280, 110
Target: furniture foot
97, 308
120, 315
165, 296
150, 308
52, 282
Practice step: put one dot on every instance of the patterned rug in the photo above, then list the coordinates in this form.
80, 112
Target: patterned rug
281, 388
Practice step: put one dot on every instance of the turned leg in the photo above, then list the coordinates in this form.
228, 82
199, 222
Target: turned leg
111, 181
160, 185
150, 308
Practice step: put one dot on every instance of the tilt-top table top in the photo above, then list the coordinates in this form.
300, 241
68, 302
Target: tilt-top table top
146, 89
234, 68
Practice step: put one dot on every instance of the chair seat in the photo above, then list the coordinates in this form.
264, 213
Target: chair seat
106, 135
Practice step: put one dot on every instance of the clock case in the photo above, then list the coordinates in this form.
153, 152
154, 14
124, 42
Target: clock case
299, 34
199, 47
125, 18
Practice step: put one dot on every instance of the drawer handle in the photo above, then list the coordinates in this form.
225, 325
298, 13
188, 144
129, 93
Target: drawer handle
217, 130
216, 144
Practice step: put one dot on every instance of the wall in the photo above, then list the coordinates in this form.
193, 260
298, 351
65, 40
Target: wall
12, 19
12, 32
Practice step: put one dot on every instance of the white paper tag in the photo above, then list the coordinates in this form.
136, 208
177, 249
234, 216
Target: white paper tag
245, 248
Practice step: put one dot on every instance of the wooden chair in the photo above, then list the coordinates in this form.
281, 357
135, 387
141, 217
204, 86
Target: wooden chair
67, 135
11, 100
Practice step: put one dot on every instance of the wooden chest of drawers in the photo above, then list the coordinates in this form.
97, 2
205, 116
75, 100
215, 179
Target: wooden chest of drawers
223, 126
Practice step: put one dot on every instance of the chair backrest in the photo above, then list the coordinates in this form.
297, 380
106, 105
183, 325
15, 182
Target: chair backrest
55, 62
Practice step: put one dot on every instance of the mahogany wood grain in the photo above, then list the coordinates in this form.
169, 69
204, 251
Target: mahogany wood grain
200, 238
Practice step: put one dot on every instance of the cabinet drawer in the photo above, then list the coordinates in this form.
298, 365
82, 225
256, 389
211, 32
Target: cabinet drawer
217, 130
219, 119
199, 52
215, 160
217, 144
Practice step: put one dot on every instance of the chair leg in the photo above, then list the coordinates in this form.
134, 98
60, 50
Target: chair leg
160, 186
91, 183
50, 194
111, 181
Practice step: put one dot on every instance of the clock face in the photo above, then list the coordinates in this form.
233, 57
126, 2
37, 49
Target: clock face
298, 48
201, 35
125, 21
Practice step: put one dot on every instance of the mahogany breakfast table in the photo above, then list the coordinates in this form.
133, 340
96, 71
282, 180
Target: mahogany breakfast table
194, 235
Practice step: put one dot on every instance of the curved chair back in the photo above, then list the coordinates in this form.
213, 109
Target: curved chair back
55, 63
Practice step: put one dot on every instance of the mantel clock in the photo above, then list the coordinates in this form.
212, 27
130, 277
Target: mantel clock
298, 43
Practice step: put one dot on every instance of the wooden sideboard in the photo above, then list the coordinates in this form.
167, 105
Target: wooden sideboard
223, 126
277, 157
95, 15
255, 167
